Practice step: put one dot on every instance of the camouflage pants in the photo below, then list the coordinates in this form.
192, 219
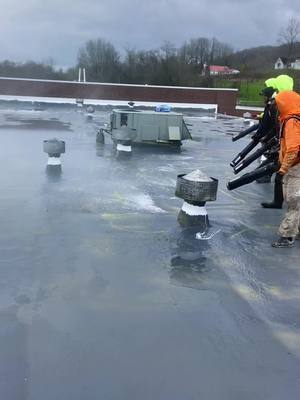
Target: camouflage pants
290, 225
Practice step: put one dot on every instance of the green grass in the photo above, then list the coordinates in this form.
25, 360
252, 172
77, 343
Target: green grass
249, 90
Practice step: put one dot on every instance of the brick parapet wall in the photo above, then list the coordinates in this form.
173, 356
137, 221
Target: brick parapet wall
224, 98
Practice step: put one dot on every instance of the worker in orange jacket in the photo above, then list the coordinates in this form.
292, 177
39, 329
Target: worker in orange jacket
279, 84
288, 103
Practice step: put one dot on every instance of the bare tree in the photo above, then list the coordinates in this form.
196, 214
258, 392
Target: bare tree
197, 51
101, 60
289, 35
168, 56
219, 51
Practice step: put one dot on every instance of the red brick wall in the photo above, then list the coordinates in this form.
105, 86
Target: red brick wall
226, 99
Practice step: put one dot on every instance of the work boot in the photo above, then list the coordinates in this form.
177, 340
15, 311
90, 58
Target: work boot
284, 242
278, 195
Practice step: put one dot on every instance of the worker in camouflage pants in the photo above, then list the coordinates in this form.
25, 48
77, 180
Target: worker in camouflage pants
290, 226
288, 103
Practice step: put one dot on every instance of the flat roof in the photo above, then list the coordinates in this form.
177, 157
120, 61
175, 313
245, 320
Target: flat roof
104, 296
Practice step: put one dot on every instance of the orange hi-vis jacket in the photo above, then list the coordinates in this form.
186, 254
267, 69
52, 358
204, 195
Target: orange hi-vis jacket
288, 103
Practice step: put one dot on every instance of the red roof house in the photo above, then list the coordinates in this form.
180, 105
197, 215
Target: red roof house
222, 70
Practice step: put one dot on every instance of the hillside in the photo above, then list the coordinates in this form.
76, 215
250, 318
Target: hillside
259, 59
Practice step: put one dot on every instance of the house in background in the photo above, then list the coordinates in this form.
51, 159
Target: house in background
296, 63
222, 70
283, 63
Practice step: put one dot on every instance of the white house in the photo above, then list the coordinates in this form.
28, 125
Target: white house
296, 64
282, 63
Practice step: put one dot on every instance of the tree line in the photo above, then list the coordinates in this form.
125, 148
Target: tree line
166, 65
31, 69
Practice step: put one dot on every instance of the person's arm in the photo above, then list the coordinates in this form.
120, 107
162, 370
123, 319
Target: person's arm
292, 140
266, 123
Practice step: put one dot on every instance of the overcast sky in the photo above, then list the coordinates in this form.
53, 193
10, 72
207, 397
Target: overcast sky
43, 29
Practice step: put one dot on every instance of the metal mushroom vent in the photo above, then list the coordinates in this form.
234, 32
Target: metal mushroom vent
195, 189
90, 109
122, 137
54, 148
90, 112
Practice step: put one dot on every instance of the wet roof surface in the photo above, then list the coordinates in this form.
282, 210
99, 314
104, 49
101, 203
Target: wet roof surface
104, 296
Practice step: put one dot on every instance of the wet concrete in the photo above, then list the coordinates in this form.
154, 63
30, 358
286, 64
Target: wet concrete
104, 296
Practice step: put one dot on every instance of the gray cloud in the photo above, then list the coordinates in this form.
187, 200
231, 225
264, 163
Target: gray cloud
35, 29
